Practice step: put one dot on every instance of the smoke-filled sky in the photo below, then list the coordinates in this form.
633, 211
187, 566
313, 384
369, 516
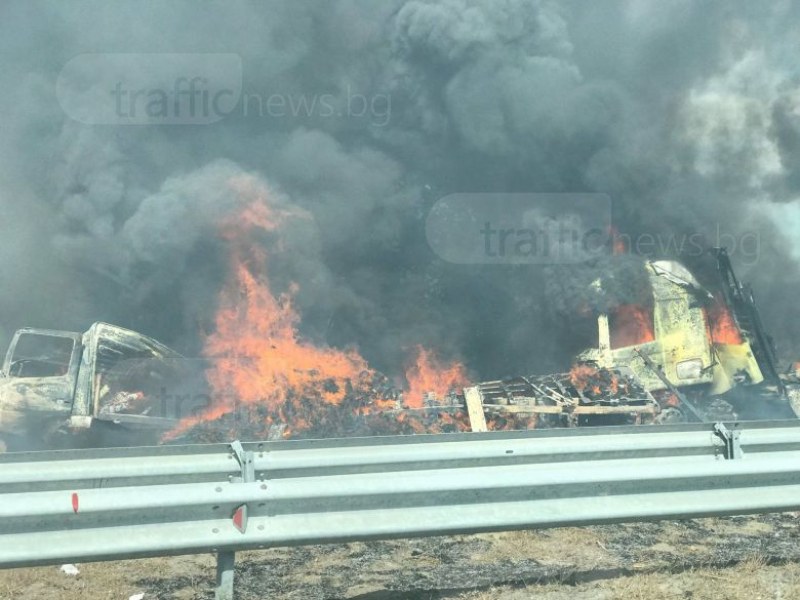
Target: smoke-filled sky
686, 114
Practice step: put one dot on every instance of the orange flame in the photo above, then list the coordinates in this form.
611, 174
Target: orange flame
429, 375
594, 381
723, 328
262, 356
632, 324
581, 374
257, 354
262, 365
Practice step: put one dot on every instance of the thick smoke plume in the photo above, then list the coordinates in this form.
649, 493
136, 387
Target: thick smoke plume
685, 113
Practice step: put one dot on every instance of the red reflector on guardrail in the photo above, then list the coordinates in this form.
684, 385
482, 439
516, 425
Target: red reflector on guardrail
240, 518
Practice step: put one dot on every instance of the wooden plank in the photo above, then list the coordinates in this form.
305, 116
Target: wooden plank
475, 409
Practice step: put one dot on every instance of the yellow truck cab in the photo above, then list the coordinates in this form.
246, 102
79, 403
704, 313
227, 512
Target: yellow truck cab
676, 330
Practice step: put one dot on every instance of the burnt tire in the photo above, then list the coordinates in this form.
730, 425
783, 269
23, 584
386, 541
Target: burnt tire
717, 410
669, 416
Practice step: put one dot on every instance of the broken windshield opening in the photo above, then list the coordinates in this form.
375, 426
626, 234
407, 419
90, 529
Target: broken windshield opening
37, 355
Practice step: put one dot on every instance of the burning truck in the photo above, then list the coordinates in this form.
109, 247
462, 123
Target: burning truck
688, 354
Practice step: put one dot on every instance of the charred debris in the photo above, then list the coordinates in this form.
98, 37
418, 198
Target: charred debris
687, 353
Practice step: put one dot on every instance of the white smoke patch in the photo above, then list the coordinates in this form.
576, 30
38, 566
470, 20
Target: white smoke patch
728, 122
786, 217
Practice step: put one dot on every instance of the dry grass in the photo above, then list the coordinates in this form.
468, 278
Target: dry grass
105, 581
565, 546
579, 549
751, 580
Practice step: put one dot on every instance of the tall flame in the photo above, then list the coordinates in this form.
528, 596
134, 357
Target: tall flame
261, 365
429, 375
723, 328
256, 353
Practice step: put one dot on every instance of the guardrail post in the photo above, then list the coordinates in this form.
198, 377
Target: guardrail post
226, 561
733, 447
225, 570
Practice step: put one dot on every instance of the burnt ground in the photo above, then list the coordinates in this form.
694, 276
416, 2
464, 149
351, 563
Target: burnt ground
734, 557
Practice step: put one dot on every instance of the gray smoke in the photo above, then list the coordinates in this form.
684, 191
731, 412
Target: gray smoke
687, 114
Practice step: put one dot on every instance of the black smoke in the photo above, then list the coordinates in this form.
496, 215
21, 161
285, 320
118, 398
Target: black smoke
685, 113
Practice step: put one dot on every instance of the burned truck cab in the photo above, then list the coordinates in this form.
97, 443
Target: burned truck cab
38, 380
688, 341
58, 386
689, 334
683, 352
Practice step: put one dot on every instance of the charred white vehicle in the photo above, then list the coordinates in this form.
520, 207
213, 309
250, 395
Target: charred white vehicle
61, 388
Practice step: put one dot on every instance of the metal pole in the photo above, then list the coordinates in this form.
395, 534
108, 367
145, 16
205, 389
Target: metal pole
225, 570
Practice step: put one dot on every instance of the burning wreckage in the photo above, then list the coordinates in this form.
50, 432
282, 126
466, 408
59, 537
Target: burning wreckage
689, 355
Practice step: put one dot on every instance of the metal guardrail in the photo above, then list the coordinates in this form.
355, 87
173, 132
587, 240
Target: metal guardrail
122, 503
